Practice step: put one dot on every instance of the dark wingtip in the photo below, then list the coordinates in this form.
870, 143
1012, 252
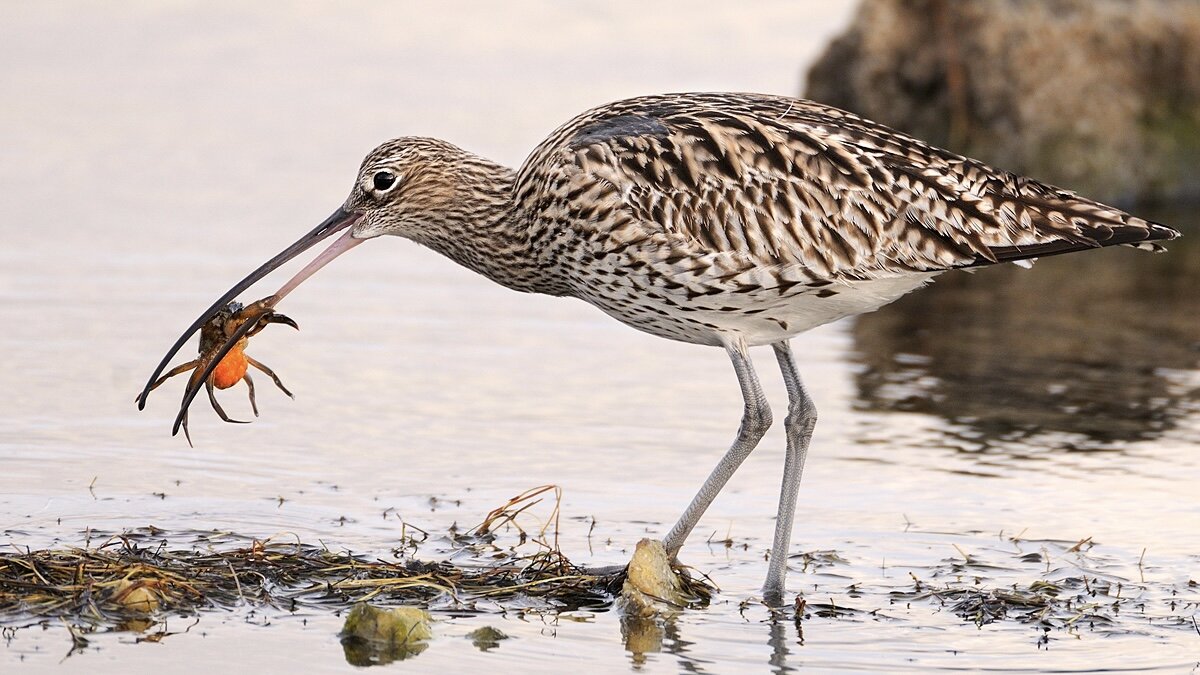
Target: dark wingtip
1164, 232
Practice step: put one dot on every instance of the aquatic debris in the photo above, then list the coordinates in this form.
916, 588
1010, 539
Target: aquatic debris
376, 635
234, 366
1061, 603
139, 572
1067, 585
506, 515
149, 571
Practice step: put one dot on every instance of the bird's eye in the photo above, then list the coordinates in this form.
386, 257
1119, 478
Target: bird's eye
384, 180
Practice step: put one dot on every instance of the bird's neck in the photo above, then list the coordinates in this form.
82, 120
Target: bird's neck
488, 233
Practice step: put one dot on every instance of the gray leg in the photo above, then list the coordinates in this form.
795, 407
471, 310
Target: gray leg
755, 421
799, 423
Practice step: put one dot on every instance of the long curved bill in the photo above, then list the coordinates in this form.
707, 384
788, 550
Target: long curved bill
338, 221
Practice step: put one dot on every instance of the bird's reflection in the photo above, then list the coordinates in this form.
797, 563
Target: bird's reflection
1101, 346
644, 635
779, 640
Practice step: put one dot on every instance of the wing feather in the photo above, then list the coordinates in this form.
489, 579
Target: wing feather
776, 181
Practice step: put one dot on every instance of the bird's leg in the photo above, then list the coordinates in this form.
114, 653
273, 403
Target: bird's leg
270, 373
755, 420
799, 423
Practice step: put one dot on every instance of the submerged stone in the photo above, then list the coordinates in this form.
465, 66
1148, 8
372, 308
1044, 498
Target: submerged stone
486, 638
376, 635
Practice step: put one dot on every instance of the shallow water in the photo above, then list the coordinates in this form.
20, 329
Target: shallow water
157, 154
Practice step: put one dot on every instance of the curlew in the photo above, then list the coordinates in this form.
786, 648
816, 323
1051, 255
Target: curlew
730, 220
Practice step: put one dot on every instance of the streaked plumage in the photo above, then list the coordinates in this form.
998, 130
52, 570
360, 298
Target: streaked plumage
722, 219
768, 209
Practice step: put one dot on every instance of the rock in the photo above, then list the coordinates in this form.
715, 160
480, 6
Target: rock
651, 586
1099, 96
651, 597
136, 596
374, 635
486, 638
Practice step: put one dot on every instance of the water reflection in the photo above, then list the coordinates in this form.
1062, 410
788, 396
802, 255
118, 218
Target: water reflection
779, 641
644, 635
363, 653
1101, 346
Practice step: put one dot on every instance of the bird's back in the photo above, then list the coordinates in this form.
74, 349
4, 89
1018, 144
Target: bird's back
738, 198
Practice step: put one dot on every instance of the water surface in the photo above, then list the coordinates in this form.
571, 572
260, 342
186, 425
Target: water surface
157, 153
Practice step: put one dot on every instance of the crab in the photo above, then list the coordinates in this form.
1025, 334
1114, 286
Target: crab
234, 366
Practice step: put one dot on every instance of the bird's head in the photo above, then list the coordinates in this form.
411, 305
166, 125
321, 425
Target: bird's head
405, 187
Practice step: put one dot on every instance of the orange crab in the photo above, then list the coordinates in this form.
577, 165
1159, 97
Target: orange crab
234, 367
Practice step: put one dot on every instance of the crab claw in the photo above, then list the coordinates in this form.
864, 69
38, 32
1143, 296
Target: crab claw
275, 317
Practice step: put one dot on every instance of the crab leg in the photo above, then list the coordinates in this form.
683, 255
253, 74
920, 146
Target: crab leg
186, 435
177, 370
271, 374
250, 385
212, 398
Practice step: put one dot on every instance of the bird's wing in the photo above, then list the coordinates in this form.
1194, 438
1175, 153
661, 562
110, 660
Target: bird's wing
789, 182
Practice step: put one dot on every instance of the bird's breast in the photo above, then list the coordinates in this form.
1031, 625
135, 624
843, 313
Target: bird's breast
707, 307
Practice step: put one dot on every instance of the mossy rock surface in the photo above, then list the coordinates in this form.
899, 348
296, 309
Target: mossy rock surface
1098, 96
376, 635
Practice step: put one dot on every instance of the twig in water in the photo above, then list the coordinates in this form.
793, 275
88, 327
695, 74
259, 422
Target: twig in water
507, 514
961, 552
1079, 546
236, 582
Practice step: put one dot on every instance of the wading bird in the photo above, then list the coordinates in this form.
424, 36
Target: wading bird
730, 220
